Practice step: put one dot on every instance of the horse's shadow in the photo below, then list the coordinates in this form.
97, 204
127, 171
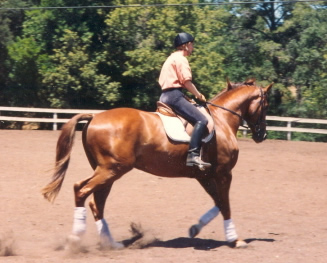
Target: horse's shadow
180, 242
185, 242
196, 243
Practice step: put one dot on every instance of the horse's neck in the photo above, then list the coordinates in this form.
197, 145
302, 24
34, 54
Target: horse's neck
237, 101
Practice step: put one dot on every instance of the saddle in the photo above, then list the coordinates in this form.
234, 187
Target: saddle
179, 129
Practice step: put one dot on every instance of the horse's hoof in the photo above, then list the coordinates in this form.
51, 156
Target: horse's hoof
73, 243
194, 231
105, 244
239, 244
117, 246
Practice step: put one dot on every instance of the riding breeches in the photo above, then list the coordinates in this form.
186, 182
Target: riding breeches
176, 100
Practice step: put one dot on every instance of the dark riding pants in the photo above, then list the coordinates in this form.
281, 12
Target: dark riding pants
176, 100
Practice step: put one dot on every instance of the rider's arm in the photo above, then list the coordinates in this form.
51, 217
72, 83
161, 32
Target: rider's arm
191, 88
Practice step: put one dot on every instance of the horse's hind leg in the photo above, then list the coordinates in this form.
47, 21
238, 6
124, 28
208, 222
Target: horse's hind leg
79, 222
100, 185
100, 179
98, 202
97, 205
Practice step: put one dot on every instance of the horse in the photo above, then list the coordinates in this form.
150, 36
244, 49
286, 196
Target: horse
120, 139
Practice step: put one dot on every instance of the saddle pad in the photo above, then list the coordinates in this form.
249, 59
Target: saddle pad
174, 128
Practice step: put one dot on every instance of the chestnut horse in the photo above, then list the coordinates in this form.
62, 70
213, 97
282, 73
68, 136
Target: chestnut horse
118, 140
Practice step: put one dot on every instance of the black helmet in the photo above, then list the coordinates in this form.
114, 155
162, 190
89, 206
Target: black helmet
183, 38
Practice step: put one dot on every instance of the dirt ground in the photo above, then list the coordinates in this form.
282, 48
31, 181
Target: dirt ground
278, 200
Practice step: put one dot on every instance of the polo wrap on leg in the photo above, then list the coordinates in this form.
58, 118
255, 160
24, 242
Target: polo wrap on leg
79, 224
210, 215
230, 232
104, 231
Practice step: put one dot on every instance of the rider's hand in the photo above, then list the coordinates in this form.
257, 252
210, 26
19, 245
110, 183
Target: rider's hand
202, 98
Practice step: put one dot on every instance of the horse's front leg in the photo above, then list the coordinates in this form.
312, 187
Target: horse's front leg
204, 220
209, 184
218, 189
223, 183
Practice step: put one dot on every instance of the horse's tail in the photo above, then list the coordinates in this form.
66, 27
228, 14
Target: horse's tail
64, 148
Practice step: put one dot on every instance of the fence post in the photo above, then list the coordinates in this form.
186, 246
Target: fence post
289, 134
245, 132
54, 127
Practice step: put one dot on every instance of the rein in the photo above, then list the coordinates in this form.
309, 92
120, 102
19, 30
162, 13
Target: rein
233, 112
259, 121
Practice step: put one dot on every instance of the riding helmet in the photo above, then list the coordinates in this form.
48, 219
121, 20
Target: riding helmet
183, 38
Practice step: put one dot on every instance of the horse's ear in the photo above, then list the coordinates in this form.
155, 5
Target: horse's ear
249, 81
229, 85
266, 89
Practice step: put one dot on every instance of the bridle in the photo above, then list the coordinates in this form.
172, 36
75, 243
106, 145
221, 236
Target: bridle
258, 124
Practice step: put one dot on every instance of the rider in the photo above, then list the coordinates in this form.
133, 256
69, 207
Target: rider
175, 76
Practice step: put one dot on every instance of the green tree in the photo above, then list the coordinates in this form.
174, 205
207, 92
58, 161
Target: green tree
306, 68
24, 77
73, 78
10, 26
33, 53
86, 57
140, 39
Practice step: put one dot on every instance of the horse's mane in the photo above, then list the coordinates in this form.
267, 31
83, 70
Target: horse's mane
233, 86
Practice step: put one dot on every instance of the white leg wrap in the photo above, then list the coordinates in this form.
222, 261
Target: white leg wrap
104, 231
209, 216
230, 231
204, 220
106, 238
79, 224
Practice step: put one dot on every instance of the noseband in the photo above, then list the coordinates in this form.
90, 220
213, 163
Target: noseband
257, 124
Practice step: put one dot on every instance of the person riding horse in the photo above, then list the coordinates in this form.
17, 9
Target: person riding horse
175, 76
117, 140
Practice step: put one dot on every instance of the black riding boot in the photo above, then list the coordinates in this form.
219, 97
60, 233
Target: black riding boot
193, 157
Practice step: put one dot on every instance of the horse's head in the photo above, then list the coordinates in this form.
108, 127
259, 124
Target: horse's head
255, 116
248, 102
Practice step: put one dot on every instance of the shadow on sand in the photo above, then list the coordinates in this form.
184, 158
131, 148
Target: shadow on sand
139, 240
198, 243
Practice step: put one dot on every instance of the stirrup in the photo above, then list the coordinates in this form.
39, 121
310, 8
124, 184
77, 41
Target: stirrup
194, 159
197, 161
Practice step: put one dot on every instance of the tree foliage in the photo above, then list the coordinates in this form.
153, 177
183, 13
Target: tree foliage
111, 57
73, 78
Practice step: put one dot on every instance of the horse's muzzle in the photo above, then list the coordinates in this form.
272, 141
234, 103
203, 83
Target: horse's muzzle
260, 136
265, 136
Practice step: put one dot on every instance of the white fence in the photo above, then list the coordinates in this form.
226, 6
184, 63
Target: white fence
55, 120
291, 121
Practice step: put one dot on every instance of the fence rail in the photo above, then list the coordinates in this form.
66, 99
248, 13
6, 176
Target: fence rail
55, 120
